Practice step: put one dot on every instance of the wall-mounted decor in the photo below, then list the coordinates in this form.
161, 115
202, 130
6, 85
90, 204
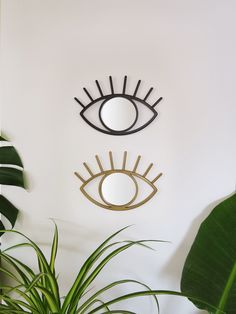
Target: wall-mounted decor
118, 113
118, 188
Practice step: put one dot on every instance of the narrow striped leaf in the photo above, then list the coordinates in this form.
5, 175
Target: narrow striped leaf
82, 309
146, 293
90, 262
119, 312
54, 250
97, 270
43, 261
84, 269
52, 302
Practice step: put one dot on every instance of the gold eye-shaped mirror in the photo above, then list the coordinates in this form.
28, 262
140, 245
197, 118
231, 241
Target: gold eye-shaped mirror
118, 189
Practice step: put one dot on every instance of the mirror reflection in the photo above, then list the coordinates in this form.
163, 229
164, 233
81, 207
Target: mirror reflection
118, 114
118, 189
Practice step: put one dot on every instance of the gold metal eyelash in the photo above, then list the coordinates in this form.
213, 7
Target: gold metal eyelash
131, 173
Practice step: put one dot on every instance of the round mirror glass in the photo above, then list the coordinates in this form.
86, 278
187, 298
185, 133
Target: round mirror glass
118, 114
118, 189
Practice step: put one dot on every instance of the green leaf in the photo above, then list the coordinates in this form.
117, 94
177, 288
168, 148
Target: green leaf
2, 228
2, 138
38, 290
51, 285
11, 176
16, 304
52, 302
8, 155
9, 274
54, 250
88, 303
8, 210
101, 302
143, 294
84, 271
210, 269
16, 262
98, 269
119, 312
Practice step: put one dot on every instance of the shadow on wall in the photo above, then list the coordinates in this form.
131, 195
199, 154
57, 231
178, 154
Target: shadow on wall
176, 263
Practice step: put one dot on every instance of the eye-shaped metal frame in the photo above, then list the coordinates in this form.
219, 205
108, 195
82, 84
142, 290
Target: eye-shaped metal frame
131, 173
131, 98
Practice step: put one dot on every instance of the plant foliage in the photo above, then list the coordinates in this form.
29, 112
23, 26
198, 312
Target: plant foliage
9, 175
38, 292
210, 269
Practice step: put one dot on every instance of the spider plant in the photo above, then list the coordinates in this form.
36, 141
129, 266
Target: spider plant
9, 175
38, 292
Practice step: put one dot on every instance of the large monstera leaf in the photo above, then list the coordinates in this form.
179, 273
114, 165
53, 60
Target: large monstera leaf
210, 269
9, 175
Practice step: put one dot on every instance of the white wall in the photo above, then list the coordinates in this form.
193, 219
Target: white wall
186, 49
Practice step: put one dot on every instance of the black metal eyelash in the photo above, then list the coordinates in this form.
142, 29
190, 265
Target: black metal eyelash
113, 93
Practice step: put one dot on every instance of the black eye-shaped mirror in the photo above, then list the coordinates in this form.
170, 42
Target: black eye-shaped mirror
118, 113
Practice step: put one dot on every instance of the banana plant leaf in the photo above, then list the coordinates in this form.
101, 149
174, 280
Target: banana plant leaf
209, 272
9, 176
